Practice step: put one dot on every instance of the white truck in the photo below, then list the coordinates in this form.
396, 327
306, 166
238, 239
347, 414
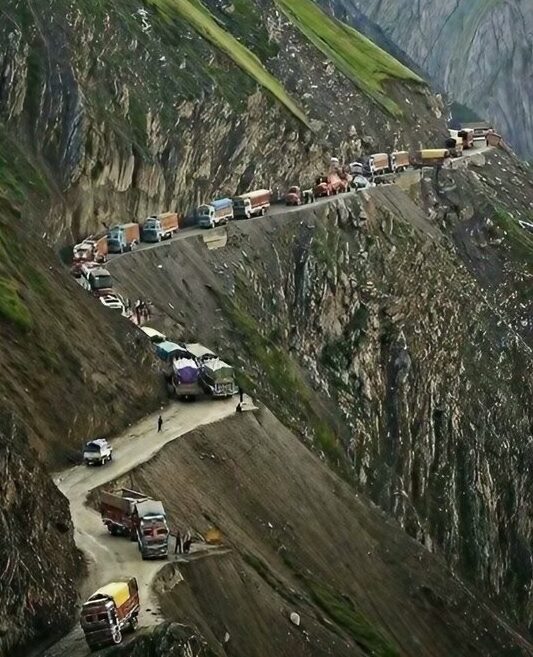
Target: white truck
97, 452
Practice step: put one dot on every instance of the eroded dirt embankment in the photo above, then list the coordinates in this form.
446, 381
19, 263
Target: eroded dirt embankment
302, 541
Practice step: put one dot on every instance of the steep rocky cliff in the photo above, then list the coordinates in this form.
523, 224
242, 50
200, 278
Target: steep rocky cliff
479, 51
382, 329
69, 371
296, 539
38, 562
128, 110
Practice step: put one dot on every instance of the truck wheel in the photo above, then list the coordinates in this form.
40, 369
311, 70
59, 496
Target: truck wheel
134, 622
113, 530
117, 637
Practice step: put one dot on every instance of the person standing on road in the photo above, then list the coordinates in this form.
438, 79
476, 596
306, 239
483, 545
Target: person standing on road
159, 424
177, 548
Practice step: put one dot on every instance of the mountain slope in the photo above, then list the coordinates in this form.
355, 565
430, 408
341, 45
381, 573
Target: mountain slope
479, 51
391, 332
301, 541
128, 110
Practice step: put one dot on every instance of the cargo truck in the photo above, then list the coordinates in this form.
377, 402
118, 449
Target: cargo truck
166, 352
137, 516
218, 378
454, 145
252, 204
110, 611
160, 227
377, 164
96, 280
430, 157
293, 196
399, 161
329, 185
186, 379
217, 213
150, 522
123, 237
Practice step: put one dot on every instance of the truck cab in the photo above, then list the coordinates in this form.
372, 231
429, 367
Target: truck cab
152, 529
97, 452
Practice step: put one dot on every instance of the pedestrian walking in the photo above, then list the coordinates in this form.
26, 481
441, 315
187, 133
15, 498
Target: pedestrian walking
138, 311
159, 424
241, 394
177, 548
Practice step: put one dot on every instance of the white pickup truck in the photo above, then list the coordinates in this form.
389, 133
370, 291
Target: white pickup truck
97, 452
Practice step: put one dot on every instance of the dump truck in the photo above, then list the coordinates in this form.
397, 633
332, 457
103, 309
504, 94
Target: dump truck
217, 213
159, 227
399, 161
109, 612
123, 237
218, 378
135, 515
186, 378
430, 157
252, 204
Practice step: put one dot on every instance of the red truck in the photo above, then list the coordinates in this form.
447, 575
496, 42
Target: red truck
109, 611
329, 185
133, 514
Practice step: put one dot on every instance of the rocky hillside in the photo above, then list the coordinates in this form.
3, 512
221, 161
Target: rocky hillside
383, 329
69, 371
296, 539
479, 51
131, 108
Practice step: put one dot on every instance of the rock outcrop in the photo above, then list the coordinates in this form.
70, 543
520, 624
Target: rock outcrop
480, 52
129, 113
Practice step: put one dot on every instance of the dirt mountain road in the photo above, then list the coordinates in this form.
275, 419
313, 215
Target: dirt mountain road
110, 557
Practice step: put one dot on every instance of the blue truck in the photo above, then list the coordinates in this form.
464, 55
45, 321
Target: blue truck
216, 213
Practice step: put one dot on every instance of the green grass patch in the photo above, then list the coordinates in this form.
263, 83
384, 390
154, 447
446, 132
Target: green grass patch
519, 240
202, 21
12, 307
367, 65
344, 613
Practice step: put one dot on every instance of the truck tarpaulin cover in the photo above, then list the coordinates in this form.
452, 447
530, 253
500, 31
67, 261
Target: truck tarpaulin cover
118, 591
150, 508
185, 370
218, 370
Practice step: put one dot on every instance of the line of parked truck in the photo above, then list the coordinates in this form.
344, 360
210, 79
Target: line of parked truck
192, 370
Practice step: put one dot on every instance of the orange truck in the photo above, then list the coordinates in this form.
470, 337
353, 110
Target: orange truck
329, 185
430, 157
399, 161
160, 227
109, 612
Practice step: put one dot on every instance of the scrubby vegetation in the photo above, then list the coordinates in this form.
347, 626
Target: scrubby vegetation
203, 22
359, 59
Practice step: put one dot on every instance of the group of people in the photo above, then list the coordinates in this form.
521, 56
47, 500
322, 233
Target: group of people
183, 543
139, 311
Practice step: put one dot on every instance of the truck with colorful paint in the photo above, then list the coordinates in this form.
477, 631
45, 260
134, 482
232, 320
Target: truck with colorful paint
110, 611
